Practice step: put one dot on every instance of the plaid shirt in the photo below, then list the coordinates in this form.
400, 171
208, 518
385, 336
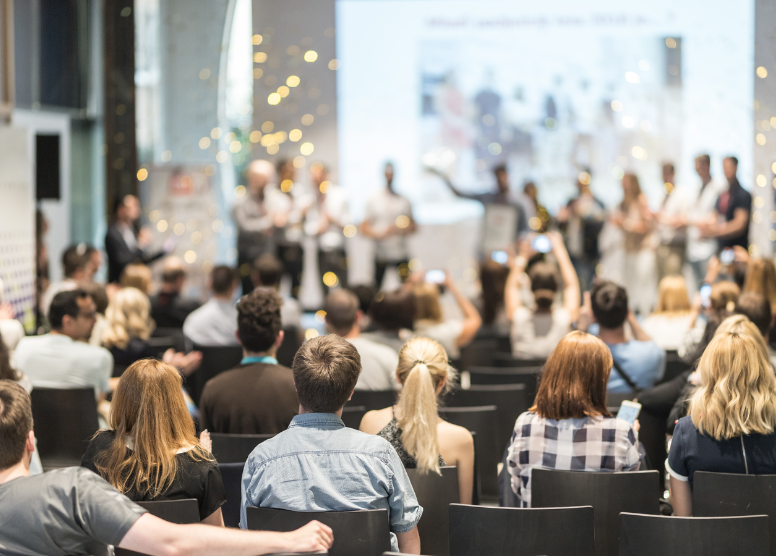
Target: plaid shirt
587, 444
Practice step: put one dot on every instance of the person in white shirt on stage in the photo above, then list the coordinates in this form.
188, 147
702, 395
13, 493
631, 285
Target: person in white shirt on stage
672, 225
388, 221
700, 249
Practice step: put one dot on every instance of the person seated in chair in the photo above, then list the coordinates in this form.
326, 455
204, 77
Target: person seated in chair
169, 308
215, 323
318, 464
74, 511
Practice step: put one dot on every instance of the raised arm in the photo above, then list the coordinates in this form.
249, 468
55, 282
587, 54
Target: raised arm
570, 279
638, 332
512, 299
471, 317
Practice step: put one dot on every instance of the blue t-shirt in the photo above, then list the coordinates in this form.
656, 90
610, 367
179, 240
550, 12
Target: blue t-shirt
644, 362
693, 451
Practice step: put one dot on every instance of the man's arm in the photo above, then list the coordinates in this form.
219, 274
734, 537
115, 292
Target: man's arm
736, 226
409, 542
638, 332
151, 535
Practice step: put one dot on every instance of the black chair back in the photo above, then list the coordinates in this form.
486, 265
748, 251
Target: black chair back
352, 415
482, 422
215, 360
477, 353
65, 420
728, 495
674, 366
231, 473
435, 493
481, 530
235, 448
508, 375
356, 533
509, 399
647, 535
292, 341
608, 493
373, 399
180, 512
174, 337
508, 360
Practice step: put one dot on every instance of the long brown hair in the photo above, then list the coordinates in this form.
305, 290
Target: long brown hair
149, 408
672, 296
633, 193
573, 382
761, 278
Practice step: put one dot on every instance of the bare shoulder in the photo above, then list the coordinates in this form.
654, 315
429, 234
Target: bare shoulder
374, 421
455, 434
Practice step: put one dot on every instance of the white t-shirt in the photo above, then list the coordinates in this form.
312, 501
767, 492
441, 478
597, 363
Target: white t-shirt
382, 210
335, 205
378, 365
446, 333
57, 361
535, 335
704, 204
213, 324
667, 331
678, 203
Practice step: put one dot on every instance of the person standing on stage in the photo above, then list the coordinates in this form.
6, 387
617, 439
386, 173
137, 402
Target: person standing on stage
326, 220
672, 226
254, 220
388, 221
702, 209
734, 205
124, 244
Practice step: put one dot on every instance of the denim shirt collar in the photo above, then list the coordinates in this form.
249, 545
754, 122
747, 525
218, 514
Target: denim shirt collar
317, 420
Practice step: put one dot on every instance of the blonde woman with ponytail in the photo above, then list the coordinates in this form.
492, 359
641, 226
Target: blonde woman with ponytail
422, 439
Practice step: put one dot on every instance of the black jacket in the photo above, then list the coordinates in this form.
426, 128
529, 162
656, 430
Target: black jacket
120, 255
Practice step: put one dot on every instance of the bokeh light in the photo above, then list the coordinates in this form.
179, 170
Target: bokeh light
308, 119
273, 99
266, 127
402, 221
334, 64
235, 146
142, 174
310, 56
299, 162
330, 279
349, 231
762, 73
204, 143
286, 186
179, 228
222, 157
255, 136
190, 257
295, 135
307, 149
320, 316
292, 81
256, 40
239, 191
260, 57
162, 226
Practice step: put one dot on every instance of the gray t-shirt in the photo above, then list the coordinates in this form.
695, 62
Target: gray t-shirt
378, 365
67, 512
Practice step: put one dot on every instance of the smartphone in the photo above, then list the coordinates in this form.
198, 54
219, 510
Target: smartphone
629, 411
727, 257
435, 276
500, 257
541, 244
706, 296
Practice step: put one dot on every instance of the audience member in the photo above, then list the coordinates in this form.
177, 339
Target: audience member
393, 316
169, 308
638, 362
258, 397
215, 323
757, 309
317, 447
74, 269
422, 439
138, 276
11, 329
493, 281
761, 278
536, 331
672, 317
150, 451
267, 272
730, 427
99, 295
93, 264
430, 322
366, 295
722, 301
63, 358
123, 244
129, 326
74, 511
569, 427
378, 361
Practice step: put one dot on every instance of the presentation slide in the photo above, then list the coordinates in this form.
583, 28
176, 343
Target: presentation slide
548, 88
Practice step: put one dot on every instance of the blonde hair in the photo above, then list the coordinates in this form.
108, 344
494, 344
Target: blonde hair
738, 392
423, 365
672, 296
127, 316
761, 278
427, 305
136, 275
724, 296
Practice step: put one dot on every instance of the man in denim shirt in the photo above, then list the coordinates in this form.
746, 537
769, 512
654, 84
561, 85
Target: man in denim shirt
320, 465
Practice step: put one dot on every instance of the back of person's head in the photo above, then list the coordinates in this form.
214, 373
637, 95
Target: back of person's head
136, 275
757, 309
574, 378
7, 372
98, 294
148, 407
74, 260
493, 280
128, 316
544, 284
761, 278
610, 304
173, 271
392, 311
427, 305
326, 371
15, 422
222, 280
258, 319
723, 296
672, 296
737, 395
365, 294
65, 304
267, 271
423, 367
341, 311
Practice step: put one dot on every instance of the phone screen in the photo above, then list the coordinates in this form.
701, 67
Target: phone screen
435, 276
541, 244
705, 296
500, 257
629, 411
727, 256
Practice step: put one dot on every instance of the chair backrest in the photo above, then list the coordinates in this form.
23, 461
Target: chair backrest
373, 399
175, 511
435, 493
481, 420
292, 341
215, 360
608, 493
484, 530
728, 494
509, 375
647, 535
173, 335
65, 420
675, 366
231, 474
352, 415
510, 399
508, 360
356, 533
478, 352
235, 448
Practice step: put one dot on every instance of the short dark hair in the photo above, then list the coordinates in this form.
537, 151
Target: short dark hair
65, 303
610, 304
703, 159
99, 296
172, 275
544, 284
280, 164
394, 310
258, 319
757, 309
341, 309
268, 270
222, 279
365, 294
498, 168
669, 165
326, 371
74, 258
732, 159
15, 422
